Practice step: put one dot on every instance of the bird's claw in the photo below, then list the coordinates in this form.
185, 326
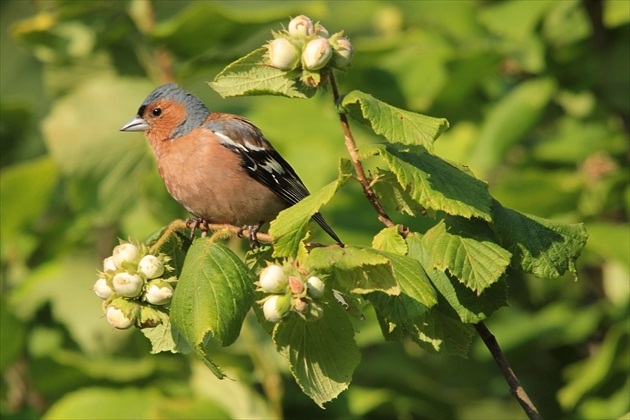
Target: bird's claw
194, 223
251, 234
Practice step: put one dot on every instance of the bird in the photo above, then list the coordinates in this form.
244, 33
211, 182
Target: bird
218, 166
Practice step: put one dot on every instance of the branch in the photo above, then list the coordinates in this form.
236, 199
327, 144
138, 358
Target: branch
354, 156
516, 389
219, 229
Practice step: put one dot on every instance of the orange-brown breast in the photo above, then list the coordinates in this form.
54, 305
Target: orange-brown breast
208, 180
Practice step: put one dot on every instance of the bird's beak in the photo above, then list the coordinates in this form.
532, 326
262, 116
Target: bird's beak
136, 124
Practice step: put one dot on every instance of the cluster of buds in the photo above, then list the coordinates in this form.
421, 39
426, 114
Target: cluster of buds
135, 286
287, 291
308, 45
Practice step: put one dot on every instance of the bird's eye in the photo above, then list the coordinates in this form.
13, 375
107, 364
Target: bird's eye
156, 112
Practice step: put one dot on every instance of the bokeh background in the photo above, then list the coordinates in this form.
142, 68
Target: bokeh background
537, 95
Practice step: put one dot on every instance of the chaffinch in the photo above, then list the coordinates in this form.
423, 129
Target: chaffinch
220, 167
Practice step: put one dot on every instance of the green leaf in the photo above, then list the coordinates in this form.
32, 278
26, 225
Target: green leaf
389, 239
175, 247
165, 338
392, 194
434, 183
213, 295
358, 270
289, 229
416, 296
467, 252
395, 124
322, 355
542, 247
469, 306
250, 76
440, 333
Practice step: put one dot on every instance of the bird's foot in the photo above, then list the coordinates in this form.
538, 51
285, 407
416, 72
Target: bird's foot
251, 236
194, 223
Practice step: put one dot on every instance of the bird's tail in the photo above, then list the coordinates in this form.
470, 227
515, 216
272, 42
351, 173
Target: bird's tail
320, 220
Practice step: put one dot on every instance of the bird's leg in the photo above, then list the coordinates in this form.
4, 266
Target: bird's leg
252, 231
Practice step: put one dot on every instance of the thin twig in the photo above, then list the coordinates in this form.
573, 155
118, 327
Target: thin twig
179, 224
354, 156
516, 389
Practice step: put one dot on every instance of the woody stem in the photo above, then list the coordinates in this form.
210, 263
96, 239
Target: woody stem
356, 162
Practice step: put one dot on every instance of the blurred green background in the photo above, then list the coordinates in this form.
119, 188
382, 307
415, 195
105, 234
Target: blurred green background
537, 95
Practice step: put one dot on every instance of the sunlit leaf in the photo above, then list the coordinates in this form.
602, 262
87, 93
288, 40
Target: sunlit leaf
322, 354
395, 124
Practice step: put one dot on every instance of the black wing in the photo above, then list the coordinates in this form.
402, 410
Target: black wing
263, 162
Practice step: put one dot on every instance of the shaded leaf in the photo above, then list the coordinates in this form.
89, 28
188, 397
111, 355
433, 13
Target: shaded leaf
358, 270
391, 194
440, 333
434, 183
213, 295
395, 124
542, 247
289, 229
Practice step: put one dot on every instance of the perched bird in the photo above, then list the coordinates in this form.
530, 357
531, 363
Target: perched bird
220, 167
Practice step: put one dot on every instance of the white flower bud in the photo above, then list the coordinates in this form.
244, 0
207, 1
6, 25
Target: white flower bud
159, 292
125, 252
117, 318
316, 54
283, 54
321, 31
344, 51
122, 313
102, 289
109, 265
301, 26
273, 279
151, 266
127, 284
315, 287
276, 307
